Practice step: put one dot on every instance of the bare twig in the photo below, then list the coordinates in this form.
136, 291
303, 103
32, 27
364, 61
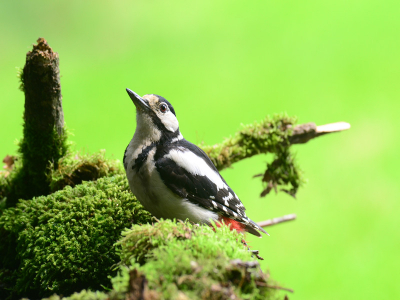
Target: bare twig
277, 287
275, 221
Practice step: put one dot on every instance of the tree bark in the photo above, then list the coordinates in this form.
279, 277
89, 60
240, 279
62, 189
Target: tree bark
43, 100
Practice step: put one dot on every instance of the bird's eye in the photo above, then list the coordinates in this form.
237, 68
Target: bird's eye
163, 107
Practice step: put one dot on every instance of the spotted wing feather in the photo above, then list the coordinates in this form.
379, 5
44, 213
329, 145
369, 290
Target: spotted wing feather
200, 189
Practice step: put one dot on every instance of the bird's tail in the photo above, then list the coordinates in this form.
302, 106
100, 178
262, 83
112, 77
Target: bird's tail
250, 227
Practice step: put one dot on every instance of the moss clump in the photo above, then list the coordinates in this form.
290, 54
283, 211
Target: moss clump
196, 262
282, 171
178, 260
31, 178
64, 241
4, 190
71, 169
82, 295
74, 168
20, 76
10, 182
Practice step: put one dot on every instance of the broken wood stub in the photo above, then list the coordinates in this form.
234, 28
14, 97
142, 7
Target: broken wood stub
44, 140
43, 100
305, 132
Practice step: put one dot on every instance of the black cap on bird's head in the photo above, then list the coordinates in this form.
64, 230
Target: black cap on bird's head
158, 108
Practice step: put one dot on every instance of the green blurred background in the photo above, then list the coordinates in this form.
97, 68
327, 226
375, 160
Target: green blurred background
223, 63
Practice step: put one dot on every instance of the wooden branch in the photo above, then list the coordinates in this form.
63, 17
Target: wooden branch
278, 220
305, 132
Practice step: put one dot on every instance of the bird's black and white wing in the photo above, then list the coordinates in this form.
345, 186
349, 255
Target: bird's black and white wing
189, 173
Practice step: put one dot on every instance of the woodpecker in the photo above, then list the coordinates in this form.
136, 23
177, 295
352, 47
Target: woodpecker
173, 178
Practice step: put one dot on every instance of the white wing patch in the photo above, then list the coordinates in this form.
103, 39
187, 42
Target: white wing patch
195, 165
226, 202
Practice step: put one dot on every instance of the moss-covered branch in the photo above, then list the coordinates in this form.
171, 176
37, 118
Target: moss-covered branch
273, 135
252, 139
265, 137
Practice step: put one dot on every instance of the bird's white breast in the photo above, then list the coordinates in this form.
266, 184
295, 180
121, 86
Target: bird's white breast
147, 185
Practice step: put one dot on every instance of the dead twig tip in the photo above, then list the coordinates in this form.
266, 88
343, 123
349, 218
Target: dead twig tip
333, 127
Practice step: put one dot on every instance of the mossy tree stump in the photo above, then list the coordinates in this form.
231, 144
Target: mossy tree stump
44, 141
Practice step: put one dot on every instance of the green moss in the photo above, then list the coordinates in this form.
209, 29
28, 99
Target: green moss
64, 241
7, 180
38, 149
196, 262
20, 76
4, 191
83, 295
179, 260
283, 171
71, 169
139, 242
74, 168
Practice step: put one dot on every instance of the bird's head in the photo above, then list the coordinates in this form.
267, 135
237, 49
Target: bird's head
155, 111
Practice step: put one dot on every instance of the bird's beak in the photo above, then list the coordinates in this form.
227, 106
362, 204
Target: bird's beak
139, 102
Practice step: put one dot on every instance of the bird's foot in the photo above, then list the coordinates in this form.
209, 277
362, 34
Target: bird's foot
254, 252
